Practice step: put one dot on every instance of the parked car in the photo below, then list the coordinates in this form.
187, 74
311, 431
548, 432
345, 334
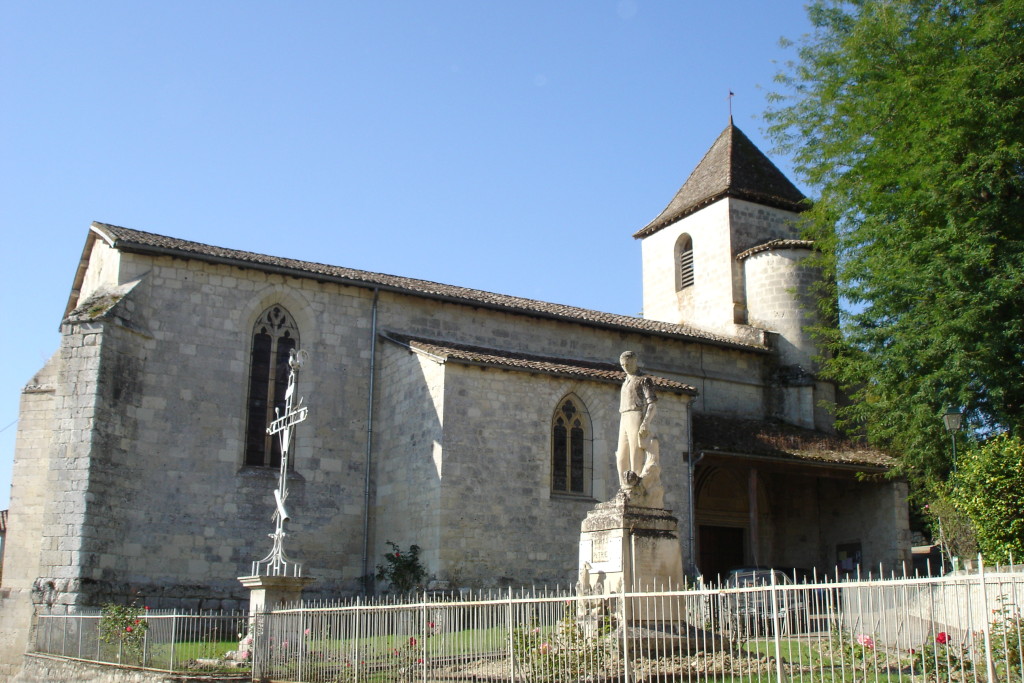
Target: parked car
748, 607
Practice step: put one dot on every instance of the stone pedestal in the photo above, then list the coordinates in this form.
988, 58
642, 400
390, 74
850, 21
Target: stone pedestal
267, 593
626, 548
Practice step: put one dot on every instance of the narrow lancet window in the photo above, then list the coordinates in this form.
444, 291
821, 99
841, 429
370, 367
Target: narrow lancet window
571, 467
273, 336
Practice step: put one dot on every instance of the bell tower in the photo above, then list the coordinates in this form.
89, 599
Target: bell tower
734, 200
725, 256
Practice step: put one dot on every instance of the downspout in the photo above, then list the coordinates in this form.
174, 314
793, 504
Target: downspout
691, 523
367, 581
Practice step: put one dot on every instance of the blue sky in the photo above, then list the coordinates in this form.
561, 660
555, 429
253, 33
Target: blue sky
506, 146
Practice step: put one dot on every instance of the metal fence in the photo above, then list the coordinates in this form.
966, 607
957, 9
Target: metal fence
963, 627
166, 640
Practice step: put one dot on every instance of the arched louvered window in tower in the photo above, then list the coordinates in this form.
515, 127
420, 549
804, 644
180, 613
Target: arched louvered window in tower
571, 448
684, 262
273, 336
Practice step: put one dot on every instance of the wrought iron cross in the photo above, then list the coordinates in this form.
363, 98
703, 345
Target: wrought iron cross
277, 563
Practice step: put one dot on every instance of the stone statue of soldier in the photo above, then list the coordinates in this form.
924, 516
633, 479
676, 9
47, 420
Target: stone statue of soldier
637, 408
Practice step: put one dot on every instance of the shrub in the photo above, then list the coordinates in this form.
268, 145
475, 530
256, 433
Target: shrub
402, 569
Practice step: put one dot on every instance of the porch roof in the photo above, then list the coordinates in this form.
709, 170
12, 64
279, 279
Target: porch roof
780, 441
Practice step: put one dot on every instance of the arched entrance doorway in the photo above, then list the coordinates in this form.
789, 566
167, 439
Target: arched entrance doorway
729, 504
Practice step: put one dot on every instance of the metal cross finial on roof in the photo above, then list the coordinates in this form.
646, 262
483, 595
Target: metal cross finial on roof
277, 563
731, 95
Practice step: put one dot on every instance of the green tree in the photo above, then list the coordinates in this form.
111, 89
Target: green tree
906, 118
989, 488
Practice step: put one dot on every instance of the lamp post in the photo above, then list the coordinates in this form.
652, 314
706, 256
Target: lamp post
952, 419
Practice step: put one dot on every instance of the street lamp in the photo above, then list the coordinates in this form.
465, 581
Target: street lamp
953, 418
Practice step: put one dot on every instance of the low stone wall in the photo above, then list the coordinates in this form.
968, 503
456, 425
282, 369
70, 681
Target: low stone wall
46, 669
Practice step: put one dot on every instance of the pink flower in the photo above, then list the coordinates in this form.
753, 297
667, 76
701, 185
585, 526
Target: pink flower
248, 640
284, 644
245, 655
412, 642
128, 629
865, 640
306, 631
942, 638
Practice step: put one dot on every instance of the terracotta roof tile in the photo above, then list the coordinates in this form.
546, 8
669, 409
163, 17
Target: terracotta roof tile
772, 245
713, 433
126, 239
514, 360
733, 167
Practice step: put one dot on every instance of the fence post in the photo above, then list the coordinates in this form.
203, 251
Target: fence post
775, 628
989, 664
624, 625
423, 633
511, 639
174, 633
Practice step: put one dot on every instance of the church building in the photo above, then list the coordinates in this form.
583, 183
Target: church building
479, 426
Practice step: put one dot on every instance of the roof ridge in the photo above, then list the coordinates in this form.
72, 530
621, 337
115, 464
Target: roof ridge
129, 239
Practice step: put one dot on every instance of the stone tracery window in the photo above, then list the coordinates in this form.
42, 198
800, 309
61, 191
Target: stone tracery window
684, 262
571, 448
273, 336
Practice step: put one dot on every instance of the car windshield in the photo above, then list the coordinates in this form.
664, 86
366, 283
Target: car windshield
757, 577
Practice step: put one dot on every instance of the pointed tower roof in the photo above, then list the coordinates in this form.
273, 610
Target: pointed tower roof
733, 167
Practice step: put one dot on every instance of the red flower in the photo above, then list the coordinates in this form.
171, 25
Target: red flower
412, 642
128, 629
137, 621
146, 608
430, 624
419, 661
942, 638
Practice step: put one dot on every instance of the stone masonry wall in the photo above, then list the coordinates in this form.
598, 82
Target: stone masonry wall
25, 521
871, 513
409, 454
500, 521
170, 511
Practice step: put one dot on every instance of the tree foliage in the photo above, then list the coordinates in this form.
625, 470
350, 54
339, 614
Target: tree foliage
989, 488
906, 117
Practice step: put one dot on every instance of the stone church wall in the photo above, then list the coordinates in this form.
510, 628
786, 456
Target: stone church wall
408, 454
157, 387
29, 493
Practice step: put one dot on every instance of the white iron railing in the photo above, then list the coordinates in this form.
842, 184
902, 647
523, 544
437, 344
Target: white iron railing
172, 640
964, 627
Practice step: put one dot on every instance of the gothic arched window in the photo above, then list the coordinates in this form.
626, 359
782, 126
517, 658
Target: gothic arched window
571, 448
684, 262
273, 336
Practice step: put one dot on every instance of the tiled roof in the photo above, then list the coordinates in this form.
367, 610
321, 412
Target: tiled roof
774, 439
771, 245
513, 360
126, 239
733, 167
